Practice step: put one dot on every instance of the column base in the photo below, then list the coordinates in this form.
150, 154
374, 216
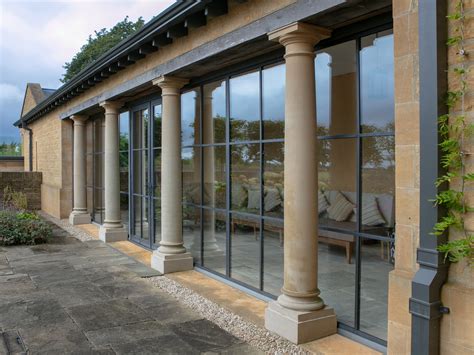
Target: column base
168, 263
107, 234
300, 327
79, 218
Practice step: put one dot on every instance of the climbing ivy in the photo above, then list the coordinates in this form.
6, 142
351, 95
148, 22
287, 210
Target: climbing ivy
454, 131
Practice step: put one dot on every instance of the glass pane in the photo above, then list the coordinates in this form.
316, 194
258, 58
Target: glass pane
191, 160
157, 126
245, 249
140, 171
245, 176
337, 183
377, 84
336, 276
214, 176
124, 209
157, 221
214, 227
99, 131
123, 156
190, 111
378, 185
273, 97
98, 206
124, 131
336, 89
99, 170
273, 256
140, 129
245, 107
375, 267
214, 113
192, 231
273, 167
157, 173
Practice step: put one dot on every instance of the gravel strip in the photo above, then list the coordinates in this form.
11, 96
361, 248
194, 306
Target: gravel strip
258, 337
64, 224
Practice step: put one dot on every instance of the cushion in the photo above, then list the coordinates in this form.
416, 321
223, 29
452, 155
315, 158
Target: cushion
239, 195
272, 199
340, 209
371, 215
322, 202
254, 198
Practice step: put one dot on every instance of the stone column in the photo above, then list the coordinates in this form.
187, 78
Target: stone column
171, 256
300, 315
79, 213
112, 230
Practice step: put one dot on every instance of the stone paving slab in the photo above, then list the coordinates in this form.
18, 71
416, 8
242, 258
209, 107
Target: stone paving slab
78, 297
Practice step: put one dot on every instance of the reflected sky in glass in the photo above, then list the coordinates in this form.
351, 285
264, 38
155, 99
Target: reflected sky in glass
188, 116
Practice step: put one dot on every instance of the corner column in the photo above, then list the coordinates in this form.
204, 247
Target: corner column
112, 230
299, 314
171, 256
79, 213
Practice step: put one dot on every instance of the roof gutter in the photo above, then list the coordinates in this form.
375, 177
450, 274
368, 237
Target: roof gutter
425, 303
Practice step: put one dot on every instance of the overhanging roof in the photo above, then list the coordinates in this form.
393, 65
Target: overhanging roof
170, 24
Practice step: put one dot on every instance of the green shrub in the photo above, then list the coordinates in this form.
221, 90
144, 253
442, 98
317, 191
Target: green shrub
14, 199
23, 228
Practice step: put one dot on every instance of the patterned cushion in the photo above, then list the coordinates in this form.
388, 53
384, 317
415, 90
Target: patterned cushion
340, 209
322, 202
371, 215
272, 199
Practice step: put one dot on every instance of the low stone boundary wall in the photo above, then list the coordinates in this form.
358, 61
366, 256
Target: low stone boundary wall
11, 163
28, 182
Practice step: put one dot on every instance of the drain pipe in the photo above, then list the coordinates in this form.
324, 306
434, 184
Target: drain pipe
30, 143
425, 302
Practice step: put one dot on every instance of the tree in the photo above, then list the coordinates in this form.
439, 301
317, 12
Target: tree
102, 41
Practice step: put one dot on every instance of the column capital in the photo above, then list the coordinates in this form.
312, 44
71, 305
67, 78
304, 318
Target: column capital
111, 106
79, 119
299, 32
170, 82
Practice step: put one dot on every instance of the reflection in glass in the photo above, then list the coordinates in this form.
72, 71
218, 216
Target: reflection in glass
375, 267
191, 165
245, 177
336, 89
192, 231
245, 107
123, 159
273, 97
124, 131
140, 129
245, 249
336, 280
157, 126
190, 111
214, 176
157, 221
377, 84
214, 113
273, 256
378, 185
273, 167
124, 209
214, 227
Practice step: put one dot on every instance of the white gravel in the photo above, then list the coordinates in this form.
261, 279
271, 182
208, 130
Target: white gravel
258, 337
64, 224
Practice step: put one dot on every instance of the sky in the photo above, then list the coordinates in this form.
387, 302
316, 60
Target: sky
37, 37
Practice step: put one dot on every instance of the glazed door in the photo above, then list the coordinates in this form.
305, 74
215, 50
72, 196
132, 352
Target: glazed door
144, 174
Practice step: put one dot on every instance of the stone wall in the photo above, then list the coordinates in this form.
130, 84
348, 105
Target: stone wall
26, 182
457, 327
11, 164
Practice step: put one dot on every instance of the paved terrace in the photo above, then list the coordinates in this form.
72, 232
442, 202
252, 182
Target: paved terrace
86, 297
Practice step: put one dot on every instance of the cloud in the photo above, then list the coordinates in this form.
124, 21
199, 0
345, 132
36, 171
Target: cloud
9, 92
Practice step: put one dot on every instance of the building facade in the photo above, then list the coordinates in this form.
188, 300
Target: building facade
275, 145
